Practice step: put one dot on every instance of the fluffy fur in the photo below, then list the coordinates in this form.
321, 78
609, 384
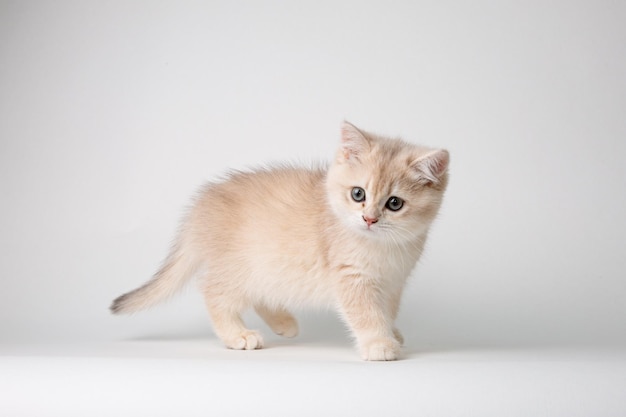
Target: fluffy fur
285, 238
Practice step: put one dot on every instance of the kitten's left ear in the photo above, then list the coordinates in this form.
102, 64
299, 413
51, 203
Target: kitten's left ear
432, 167
354, 143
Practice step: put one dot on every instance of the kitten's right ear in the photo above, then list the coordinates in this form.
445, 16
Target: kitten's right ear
354, 144
432, 167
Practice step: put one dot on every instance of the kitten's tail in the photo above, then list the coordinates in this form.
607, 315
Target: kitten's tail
177, 269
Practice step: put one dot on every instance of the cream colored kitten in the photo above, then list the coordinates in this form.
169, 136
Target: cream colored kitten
284, 238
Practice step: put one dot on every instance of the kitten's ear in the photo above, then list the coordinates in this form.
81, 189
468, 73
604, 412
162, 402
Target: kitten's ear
432, 167
354, 143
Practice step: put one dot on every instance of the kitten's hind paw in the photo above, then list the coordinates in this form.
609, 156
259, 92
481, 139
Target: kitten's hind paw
248, 340
280, 321
381, 349
286, 327
398, 336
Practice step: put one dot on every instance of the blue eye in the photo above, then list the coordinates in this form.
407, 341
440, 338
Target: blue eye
358, 194
394, 203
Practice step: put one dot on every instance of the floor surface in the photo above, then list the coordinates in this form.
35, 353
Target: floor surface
197, 377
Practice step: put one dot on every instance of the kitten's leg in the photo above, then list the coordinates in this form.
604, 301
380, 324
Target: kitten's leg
395, 308
367, 311
230, 328
398, 335
279, 320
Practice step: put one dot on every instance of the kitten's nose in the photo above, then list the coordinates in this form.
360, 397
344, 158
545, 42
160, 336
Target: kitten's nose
370, 220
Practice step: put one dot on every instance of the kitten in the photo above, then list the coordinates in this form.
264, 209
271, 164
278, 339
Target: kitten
346, 236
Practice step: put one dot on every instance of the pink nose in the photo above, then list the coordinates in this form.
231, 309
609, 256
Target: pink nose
369, 220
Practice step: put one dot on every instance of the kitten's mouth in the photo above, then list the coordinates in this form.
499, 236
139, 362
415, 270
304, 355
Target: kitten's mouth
369, 229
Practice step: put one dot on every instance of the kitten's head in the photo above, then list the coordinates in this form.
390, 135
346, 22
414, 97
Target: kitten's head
386, 188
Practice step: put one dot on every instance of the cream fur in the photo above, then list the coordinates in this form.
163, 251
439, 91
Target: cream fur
286, 238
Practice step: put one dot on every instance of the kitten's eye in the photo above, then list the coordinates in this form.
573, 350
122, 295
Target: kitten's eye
358, 194
394, 203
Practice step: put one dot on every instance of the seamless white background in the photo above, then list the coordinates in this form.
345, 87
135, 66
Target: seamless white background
113, 113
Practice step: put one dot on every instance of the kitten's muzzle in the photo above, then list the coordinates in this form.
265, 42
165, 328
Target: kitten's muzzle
370, 220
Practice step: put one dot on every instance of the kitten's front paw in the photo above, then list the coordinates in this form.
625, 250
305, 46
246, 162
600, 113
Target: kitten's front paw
248, 340
381, 349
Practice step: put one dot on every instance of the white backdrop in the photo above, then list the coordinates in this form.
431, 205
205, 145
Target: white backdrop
112, 114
